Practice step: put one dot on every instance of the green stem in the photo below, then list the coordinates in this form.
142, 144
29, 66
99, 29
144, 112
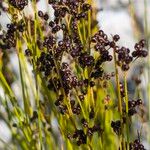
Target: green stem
89, 21
84, 32
35, 73
80, 34
127, 108
118, 85
119, 99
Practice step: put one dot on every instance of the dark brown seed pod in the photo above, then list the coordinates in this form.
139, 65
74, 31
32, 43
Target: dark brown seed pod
116, 37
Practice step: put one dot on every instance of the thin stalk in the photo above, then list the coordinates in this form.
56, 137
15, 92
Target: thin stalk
80, 34
26, 106
35, 73
92, 97
135, 26
82, 109
146, 31
119, 99
89, 20
118, 86
126, 101
84, 32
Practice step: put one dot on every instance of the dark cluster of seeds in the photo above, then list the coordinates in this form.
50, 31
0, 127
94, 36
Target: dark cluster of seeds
45, 63
69, 80
122, 90
80, 136
139, 49
19, 4
86, 60
132, 106
116, 126
136, 145
102, 45
8, 39
124, 58
61, 106
34, 116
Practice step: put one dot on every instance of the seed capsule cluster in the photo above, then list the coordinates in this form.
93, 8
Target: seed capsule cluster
80, 136
45, 63
132, 106
122, 91
116, 125
86, 60
139, 49
102, 45
136, 145
19, 4
124, 58
34, 117
69, 80
61, 107
8, 39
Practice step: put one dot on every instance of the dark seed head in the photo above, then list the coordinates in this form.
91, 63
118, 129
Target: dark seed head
40, 14
116, 37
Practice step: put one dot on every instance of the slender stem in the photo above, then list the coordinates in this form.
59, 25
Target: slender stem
35, 73
84, 32
127, 108
119, 99
89, 21
80, 34
118, 86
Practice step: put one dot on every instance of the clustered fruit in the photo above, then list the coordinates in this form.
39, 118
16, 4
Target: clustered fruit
116, 125
45, 63
124, 58
69, 80
132, 106
80, 135
8, 39
19, 4
136, 145
139, 49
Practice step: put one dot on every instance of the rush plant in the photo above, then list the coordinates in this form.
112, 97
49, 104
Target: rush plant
68, 100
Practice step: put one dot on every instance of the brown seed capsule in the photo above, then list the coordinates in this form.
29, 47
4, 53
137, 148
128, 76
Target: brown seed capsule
81, 97
125, 67
40, 14
116, 37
